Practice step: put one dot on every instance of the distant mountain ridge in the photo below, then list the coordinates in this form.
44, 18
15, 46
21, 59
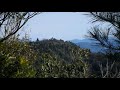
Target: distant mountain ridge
80, 40
87, 44
91, 44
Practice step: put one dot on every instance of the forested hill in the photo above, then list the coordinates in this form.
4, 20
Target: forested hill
43, 59
59, 49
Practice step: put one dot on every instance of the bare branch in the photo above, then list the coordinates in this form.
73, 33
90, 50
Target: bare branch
12, 22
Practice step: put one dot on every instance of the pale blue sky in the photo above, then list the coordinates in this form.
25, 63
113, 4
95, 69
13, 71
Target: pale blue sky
59, 25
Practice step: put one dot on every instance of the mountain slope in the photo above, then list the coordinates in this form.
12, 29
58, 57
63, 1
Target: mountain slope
60, 49
87, 44
91, 46
57, 58
80, 40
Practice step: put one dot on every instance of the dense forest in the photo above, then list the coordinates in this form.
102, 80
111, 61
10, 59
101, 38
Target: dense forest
52, 58
60, 59
49, 59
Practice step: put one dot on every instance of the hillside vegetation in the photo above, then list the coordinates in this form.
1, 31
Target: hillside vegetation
44, 59
57, 58
51, 58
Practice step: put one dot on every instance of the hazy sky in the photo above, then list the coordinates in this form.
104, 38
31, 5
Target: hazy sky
59, 25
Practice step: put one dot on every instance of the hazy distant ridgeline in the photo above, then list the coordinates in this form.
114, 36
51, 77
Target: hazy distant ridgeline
90, 44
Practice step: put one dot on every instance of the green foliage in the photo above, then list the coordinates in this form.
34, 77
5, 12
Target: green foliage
51, 59
50, 67
59, 59
16, 60
42, 59
109, 39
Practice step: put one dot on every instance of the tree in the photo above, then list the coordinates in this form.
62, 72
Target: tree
16, 59
37, 40
16, 56
103, 36
12, 22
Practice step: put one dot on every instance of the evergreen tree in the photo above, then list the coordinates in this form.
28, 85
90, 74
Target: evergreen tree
108, 37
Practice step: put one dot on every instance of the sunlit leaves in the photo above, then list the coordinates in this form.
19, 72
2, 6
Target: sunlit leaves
16, 59
59, 59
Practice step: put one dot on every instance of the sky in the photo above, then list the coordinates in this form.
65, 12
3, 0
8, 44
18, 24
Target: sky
59, 25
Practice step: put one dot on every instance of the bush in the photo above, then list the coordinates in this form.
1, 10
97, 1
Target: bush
16, 60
